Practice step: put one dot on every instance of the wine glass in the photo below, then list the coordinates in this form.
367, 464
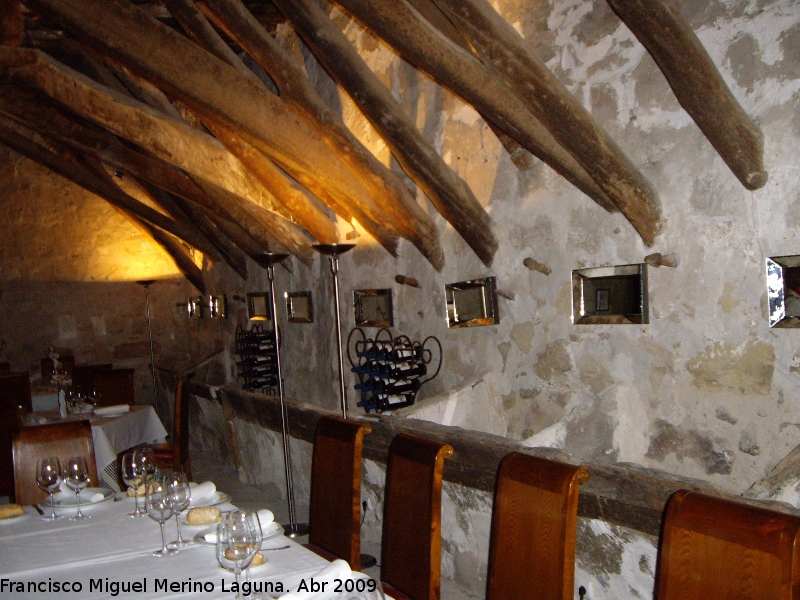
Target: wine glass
132, 476
180, 495
159, 508
48, 477
76, 476
146, 459
236, 544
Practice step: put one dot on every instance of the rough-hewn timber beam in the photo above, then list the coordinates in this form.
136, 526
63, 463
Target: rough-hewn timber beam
168, 138
298, 205
698, 85
200, 30
22, 139
418, 42
566, 118
451, 196
205, 83
12, 29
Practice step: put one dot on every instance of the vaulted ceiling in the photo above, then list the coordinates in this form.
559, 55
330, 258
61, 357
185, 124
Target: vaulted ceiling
156, 100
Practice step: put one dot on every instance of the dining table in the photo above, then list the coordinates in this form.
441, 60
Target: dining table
112, 434
111, 555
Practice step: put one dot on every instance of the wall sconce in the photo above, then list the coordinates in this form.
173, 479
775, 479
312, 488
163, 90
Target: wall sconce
217, 307
195, 307
258, 304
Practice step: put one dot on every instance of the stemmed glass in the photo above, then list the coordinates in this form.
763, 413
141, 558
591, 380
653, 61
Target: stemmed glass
180, 495
132, 476
48, 477
237, 544
159, 508
76, 476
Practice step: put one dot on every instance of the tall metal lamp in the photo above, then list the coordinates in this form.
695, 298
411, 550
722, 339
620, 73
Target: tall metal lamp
333, 252
268, 260
146, 283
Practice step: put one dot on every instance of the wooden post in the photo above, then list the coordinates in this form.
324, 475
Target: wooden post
698, 85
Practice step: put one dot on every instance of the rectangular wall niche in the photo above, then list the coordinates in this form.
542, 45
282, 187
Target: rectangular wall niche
610, 295
471, 303
783, 291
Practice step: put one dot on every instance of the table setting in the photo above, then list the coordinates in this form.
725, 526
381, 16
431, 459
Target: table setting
143, 545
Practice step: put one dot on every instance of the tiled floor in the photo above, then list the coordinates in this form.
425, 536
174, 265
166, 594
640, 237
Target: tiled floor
251, 497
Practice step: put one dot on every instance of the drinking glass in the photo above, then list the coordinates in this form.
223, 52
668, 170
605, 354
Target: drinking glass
237, 544
146, 459
76, 476
132, 476
159, 508
180, 495
48, 477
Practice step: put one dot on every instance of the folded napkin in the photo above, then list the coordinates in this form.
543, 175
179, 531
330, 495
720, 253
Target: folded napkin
86, 495
338, 569
265, 518
90, 496
202, 490
117, 409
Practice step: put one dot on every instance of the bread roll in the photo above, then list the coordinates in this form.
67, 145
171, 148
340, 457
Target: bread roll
203, 515
132, 491
258, 558
8, 511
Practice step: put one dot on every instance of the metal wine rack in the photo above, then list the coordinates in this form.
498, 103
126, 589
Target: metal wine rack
390, 371
257, 360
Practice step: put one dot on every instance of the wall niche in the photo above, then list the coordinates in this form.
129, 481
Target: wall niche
610, 295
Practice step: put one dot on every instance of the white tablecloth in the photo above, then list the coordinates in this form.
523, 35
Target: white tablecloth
112, 435
111, 548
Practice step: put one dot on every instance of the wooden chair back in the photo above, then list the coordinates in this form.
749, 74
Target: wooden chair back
411, 548
115, 386
534, 524
715, 548
335, 507
67, 362
175, 453
64, 440
83, 376
15, 400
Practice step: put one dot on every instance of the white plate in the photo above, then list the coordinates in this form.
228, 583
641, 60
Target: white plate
210, 500
273, 530
67, 504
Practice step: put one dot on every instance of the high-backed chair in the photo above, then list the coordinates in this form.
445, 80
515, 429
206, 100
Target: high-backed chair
534, 523
175, 453
411, 548
715, 548
114, 386
63, 440
83, 376
15, 400
335, 508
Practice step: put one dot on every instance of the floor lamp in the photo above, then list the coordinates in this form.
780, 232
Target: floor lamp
333, 252
268, 260
146, 283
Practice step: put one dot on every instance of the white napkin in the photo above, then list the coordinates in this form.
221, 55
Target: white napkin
202, 490
117, 409
338, 569
265, 518
86, 496
91, 496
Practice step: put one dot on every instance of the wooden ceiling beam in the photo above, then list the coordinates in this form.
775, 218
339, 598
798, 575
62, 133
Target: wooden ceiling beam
449, 194
208, 85
422, 45
698, 85
12, 28
160, 134
500, 45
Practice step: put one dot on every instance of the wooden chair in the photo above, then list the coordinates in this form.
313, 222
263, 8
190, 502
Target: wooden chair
534, 522
714, 548
335, 507
115, 386
412, 518
64, 440
175, 453
15, 401
83, 376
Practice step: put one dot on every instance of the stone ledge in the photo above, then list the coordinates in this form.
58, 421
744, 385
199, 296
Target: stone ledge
628, 495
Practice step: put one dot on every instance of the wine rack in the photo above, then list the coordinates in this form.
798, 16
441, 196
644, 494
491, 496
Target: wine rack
390, 370
257, 359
